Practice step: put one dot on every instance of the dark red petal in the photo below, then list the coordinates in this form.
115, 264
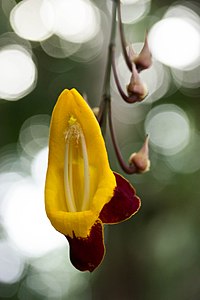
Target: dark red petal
87, 253
123, 204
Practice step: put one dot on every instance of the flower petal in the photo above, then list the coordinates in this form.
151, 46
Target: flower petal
87, 253
70, 107
123, 204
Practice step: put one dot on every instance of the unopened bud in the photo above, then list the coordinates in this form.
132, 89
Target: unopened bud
136, 88
143, 60
141, 159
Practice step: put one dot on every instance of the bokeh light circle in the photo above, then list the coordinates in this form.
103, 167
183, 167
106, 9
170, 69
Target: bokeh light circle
59, 48
132, 11
168, 128
76, 20
13, 40
11, 263
24, 218
187, 78
175, 42
18, 72
34, 134
39, 166
33, 19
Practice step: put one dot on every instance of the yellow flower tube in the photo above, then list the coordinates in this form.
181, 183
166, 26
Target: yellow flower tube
76, 193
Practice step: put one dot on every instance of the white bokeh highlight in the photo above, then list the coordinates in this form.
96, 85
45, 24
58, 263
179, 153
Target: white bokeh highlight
39, 166
175, 41
187, 78
132, 11
33, 19
34, 134
11, 263
187, 10
168, 128
24, 218
18, 73
76, 20
59, 48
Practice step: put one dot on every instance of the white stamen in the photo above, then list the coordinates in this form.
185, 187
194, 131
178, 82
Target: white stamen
67, 179
71, 174
85, 202
73, 137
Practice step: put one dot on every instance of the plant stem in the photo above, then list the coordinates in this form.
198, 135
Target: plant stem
122, 37
102, 117
127, 168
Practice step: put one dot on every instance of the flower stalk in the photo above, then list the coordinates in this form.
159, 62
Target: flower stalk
136, 89
122, 38
106, 95
129, 169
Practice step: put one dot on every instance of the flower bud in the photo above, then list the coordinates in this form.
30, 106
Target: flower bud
136, 88
143, 60
141, 159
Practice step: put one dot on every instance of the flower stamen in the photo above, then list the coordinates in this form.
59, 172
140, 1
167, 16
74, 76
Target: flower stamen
68, 178
86, 195
76, 168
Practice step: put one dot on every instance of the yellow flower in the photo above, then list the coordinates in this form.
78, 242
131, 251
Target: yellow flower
81, 191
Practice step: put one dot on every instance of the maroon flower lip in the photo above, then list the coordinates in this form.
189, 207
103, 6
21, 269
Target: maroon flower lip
87, 253
123, 204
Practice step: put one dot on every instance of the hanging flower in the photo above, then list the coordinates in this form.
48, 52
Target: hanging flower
82, 193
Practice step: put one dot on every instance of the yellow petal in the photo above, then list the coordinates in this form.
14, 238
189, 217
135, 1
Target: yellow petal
79, 180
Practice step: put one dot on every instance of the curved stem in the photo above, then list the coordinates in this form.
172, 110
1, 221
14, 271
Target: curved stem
122, 37
126, 98
128, 169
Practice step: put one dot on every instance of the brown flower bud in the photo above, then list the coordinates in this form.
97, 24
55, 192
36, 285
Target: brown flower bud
136, 88
141, 159
143, 60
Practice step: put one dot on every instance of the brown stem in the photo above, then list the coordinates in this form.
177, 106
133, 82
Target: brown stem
128, 169
122, 37
102, 116
131, 99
